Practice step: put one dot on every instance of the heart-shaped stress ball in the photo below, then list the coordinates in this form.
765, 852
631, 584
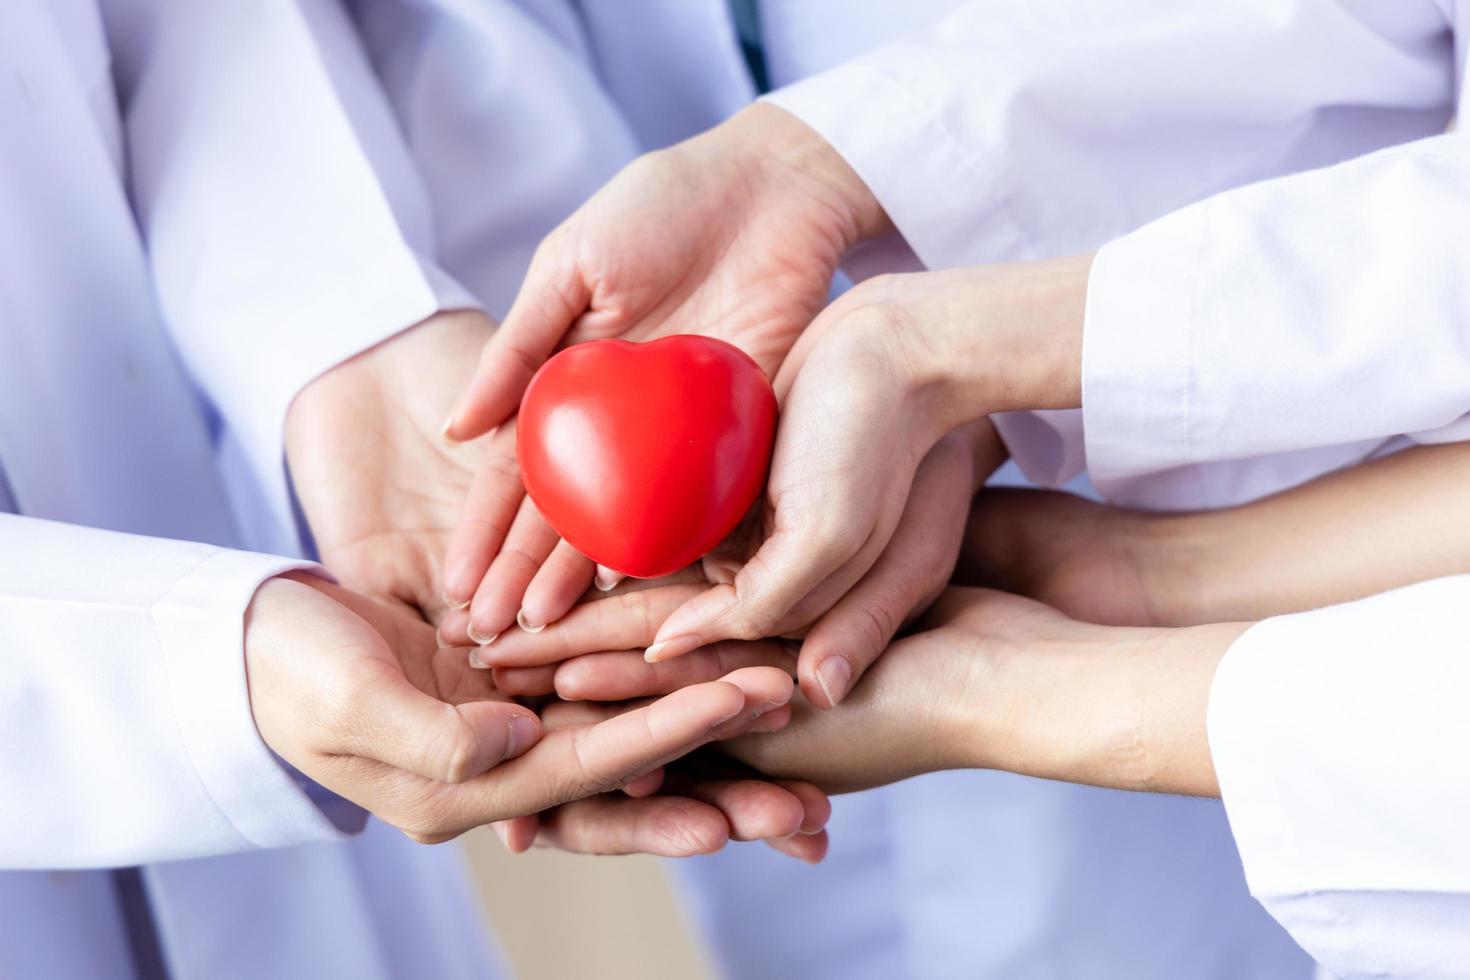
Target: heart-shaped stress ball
644, 456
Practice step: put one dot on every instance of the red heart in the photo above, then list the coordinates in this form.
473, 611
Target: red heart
645, 456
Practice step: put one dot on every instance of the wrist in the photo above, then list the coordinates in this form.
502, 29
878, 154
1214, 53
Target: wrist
1000, 338
800, 155
1107, 706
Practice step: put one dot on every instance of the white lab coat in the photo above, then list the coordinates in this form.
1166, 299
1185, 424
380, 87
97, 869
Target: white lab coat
953, 875
123, 709
1238, 345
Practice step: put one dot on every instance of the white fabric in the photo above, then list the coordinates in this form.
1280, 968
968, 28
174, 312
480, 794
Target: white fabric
160, 727
1339, 737
1264, 336
1076, 125
1293, 314
269, 275
956, 875
123, 706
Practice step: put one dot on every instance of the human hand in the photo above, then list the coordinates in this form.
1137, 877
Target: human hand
853, 628
879, 377
996, 681
1094, 562
379, 487
360, 698
735, 234
988, 680
1348, 534
788, 815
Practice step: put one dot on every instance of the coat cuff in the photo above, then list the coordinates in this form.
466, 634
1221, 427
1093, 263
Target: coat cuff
1136, 383
918, 189
200, 625
1338, 737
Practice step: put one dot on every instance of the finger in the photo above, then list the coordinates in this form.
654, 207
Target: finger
453, 629
624, 675
522, 682
490, 507
669, 826
606, 579
498, 599
619, 622
765, 691
556, 586
754, 809
777, 577
578, 762
811, 848
646, 784
552, 295
906, 578
816, 806
518, 834
397, 724
574, 763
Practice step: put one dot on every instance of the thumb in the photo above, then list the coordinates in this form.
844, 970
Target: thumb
787, 566
551, 297
393, 722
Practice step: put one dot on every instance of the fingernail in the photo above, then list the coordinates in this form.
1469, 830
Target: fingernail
462, 604
770, 723
833, 675
675, 646
607, 579
522, 731
763, 707
444, 430
690, 618
476, 661
478, 637
722, 572
526, 625
501, 832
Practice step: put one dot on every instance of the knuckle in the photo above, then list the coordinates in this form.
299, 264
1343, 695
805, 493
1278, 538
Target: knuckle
462, 753
874, 624
674, 827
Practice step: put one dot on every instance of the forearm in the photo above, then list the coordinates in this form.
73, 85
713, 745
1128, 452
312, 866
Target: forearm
1354, 533
1105, 706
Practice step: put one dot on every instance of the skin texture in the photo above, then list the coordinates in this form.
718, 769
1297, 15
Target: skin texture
359, 697
734, 234
1363, 530
381, 491
1004, 682
987, 680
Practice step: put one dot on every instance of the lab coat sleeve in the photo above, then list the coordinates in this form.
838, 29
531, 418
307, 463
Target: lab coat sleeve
1339, 737
1017, 130
1320, 309
284, 220
123, 704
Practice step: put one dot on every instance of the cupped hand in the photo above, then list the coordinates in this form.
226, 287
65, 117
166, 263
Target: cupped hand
360, 698
789, 815
844, 632
873, 384
864, 507
997, 681
379, 487
734, 234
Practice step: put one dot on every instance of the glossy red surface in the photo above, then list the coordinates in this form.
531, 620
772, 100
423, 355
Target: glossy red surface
644, 456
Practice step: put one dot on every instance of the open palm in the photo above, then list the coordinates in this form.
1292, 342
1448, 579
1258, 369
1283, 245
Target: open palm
380, 489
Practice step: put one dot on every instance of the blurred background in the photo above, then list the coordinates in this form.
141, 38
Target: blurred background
561, 916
